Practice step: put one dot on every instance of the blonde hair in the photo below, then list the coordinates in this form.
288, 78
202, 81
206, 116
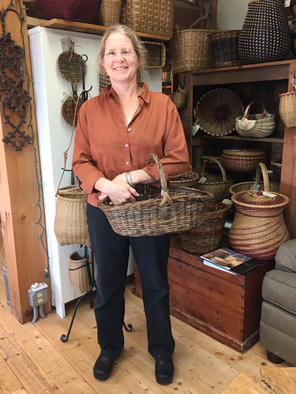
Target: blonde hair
138, 46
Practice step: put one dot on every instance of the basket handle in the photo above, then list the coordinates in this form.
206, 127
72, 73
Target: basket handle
203, 169
261, 168
164, 185
249, 106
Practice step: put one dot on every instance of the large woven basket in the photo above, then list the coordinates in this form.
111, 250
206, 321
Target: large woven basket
243, 160
190, 50
158, 211
149, 16
109, 13
70, 225
78, 272
207, 236
257, 184
216, 184
287, 108
223, 47
257, 125
156, 54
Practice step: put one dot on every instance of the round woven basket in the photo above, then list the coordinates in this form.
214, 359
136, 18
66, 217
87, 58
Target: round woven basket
216, 184
207, 236
258, 227
68, 109
78, 272
158, 211
257, 185
243, 160
287, 108
217, 110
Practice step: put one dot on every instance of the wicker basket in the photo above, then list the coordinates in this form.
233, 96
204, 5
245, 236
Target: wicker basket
179, 97
68, 109
257, 125
189, 179
287, 108
216, 184
257, 185
78, 272
149, 16
104, 81
158, 211
243, 160
223, 47
207, 236
70, 225
190, 50
258, 227
109, 13
156, 54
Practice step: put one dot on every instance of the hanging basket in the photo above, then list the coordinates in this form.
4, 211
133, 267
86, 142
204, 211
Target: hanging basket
207, 236
216, 184
157, 211
257, 185
179, 97
287, 108
78, 272
257, 125
70, 225
243, 160
189, 179
223, 47
69, 108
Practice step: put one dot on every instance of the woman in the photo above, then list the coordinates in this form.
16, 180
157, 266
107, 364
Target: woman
116, 132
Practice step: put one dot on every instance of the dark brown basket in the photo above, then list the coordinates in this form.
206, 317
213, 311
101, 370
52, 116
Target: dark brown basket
189, 179
158, 211
207, 236
156, 54
223, 47
68, 109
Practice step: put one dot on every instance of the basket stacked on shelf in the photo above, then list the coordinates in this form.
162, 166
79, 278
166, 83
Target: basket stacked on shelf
189, 179
223, 47
156, 54
243, 160
287, 108
109, 13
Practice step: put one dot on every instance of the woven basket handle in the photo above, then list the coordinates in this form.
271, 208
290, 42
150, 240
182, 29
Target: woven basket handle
164, 185
246, 113
261, 169
203, 169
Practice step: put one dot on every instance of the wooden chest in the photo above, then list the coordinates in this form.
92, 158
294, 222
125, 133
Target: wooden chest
225, 306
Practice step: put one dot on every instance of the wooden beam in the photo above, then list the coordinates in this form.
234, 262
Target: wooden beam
21, 199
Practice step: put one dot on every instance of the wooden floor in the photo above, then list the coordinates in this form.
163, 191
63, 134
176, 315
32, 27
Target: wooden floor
34, 360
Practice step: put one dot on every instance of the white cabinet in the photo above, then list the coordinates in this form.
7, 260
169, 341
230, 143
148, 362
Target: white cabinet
54, 135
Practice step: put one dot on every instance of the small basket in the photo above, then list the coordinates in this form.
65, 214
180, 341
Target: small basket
109, 12
216, 184
243, 160
104, 81
189, 179
179, 97
78, 272
287, 108
257, 125
156, 54
257, 185
158, 211
69, 108
207, 236
224, 48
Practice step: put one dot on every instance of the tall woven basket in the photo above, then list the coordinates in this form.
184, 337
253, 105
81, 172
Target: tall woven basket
207, 236
78, 272
258, 228
109, 13
158, 211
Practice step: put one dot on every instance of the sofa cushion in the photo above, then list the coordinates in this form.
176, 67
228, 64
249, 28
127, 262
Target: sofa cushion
285, 257
279, 319
279, 288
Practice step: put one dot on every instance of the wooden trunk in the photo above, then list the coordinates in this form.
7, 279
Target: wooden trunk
226, 307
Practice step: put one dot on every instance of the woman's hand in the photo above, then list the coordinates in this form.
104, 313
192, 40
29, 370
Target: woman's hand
118, 190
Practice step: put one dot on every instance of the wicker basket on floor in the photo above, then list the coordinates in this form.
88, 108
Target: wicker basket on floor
158, 211
78, 272
207, 236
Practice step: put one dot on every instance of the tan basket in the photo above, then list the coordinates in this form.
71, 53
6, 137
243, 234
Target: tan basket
179, 97
243, 160
156, 54
109, 12
149, 16
257, 125
158, 211
216, 184
70, 225
287, 108
190, 50
78, 272
104, 81
257, 185
207, 236
189, 179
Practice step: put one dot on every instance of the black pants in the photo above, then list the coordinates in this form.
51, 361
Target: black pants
111, 252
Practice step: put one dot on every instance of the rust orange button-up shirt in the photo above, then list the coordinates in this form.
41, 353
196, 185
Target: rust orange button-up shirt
105, 147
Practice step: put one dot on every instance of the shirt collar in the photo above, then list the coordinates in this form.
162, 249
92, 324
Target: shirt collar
144, 92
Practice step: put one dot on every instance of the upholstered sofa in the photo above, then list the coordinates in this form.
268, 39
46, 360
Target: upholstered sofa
278, 315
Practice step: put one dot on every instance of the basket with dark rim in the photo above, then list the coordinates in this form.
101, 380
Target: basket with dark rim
216, 184
224, 48
78, 275
257, 184
158, 211
188, 179
207, 236
244, 160
156, 54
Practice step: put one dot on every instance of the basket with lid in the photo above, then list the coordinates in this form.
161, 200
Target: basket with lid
258, 228
158, 211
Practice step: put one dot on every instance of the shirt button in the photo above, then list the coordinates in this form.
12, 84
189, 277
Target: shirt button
127, 163
126, 145
129, 129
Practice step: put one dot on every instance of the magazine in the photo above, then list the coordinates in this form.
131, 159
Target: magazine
231, 261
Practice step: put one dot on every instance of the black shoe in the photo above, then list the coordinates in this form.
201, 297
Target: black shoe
164, 371
103, 368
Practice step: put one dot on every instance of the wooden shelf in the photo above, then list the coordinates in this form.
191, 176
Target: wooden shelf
82, 27
195, 140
